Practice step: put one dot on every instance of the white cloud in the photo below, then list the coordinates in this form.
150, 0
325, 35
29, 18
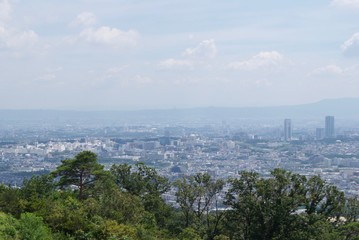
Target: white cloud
261, 60
350, 72
206, 49
50, 74
17, 39
5, 10
113, 72
12, 37
197, 56
109, 36
328, 70
25, 38
354, 69
351, 46
116, 70
85, 19
48, 77
346, 3
175, 63
110, 76
142, 80
104, 35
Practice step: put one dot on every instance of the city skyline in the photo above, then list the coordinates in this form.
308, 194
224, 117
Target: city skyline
118, 55
287, 129
329, 127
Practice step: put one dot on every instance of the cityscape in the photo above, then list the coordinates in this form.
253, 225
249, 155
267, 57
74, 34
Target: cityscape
176, 151
179, 120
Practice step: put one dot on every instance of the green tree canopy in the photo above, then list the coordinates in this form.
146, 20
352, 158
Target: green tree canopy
82, 172
8, 227
196, 195
139, 180
144, 182
268, 208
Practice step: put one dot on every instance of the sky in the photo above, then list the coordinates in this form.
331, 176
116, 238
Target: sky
140, 54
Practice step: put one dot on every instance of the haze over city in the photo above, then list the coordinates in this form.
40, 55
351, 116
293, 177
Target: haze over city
124, 55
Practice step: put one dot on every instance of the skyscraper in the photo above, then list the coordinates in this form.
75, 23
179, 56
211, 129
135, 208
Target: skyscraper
329, 127
287, 129
320, 133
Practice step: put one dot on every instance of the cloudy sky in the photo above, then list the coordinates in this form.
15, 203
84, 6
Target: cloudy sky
140, 54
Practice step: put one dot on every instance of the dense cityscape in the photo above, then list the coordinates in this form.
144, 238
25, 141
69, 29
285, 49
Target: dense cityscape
220, 150
179, 120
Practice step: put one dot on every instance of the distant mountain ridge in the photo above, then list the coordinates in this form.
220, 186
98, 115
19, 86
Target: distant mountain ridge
345, 108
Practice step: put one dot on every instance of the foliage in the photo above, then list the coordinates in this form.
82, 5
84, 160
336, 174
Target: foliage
268, 208
32, 227
350, 231
8, 227
81, 200
82, 172
145, 183
35, 191
351, 209
140, 181
196, 196
189, 234
28, 227
10, 201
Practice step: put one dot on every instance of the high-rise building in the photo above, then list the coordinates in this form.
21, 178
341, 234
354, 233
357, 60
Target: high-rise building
319, 133
287, 129
329, 127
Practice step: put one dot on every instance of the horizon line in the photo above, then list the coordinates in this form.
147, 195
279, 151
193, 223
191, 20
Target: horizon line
139, 109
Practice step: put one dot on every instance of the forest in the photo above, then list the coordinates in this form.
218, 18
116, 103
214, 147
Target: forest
82, 200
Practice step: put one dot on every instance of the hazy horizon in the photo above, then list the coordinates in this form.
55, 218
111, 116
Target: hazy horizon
105, 109
134, 55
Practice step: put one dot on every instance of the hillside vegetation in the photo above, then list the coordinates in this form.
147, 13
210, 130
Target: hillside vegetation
81, 200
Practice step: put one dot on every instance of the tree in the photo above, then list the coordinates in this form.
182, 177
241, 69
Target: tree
350, 231
8, 227
351, 209
279, 198
34, 191
121, 207
140, 180
268, 208
189, 234
32, 227
323, 200
66, 214
196, 196
10, 201
242, 198
144, 182
185, 197
82, 172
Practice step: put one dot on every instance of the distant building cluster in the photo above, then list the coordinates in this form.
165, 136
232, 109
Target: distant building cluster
328, 132
220, 150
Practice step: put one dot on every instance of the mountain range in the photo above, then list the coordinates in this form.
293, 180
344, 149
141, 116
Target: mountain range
344, 108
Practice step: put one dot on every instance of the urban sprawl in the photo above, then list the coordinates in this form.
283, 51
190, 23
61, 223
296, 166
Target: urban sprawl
175, 151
